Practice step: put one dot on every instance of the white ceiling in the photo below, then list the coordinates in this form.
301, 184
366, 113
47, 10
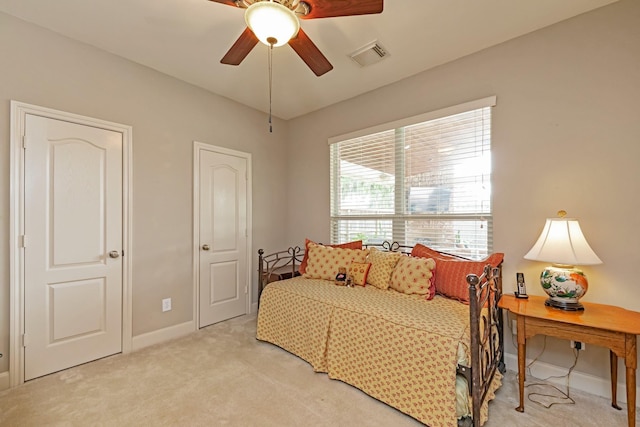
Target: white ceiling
187, 38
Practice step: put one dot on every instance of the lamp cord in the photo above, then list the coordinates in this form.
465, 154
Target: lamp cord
565, 397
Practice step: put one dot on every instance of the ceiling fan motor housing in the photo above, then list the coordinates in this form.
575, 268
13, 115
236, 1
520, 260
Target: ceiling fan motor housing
298, 7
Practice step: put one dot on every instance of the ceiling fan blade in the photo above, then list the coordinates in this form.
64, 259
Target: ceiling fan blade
310, 53
241, 48
227, 2
331, 8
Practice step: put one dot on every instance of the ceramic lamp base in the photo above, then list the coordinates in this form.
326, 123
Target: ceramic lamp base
565, 285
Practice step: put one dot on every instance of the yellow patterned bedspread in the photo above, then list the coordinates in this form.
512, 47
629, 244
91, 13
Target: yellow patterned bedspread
400, 349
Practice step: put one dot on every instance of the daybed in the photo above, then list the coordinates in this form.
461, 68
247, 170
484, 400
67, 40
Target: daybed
436, 358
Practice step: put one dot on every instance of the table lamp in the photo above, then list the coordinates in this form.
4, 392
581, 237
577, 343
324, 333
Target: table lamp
563, 244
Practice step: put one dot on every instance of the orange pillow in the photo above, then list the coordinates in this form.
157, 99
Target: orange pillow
305, 259
422, 251
359, 272
451, 280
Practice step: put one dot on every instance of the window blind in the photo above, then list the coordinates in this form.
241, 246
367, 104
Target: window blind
425, 181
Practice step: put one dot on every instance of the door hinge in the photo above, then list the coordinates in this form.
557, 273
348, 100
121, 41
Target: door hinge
22, 241
25, 340
24, 141
246, 290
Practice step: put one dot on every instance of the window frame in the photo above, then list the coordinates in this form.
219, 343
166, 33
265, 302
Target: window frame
399, 212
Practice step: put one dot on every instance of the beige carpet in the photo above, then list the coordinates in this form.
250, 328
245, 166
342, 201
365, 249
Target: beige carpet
223, 376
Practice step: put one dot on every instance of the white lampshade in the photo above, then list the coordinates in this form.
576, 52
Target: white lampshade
271, 20
562, 242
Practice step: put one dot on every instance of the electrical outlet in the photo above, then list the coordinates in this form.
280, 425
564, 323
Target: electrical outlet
166, 304
514, 327
578, 345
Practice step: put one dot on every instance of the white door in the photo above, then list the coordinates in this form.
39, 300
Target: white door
73, 244
223, 237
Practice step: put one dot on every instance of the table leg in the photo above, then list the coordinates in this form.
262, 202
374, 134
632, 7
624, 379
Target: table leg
631, 361
522, 355
631, 396
613, 360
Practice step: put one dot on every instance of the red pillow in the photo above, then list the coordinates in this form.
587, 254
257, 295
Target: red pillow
422, 251
451, 280
350, 245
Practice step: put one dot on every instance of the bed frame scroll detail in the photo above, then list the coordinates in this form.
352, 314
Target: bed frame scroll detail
278, 265
487, 347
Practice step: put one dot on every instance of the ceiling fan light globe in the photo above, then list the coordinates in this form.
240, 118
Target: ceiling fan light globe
270, 20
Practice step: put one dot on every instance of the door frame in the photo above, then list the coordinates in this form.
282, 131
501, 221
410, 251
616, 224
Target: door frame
19, 110
198, 147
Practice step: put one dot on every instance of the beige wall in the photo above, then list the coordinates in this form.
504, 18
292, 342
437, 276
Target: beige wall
42, 68
566, 135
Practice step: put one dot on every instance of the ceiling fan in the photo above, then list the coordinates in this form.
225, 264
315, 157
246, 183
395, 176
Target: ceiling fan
290, 11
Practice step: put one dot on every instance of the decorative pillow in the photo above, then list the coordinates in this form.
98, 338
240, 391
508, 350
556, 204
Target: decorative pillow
382, 265
432, 282
350, 245
324, 261
422, 251
358, 272
451, 280
412, 275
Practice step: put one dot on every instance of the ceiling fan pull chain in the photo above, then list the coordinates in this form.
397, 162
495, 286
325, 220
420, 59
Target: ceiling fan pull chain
270, 84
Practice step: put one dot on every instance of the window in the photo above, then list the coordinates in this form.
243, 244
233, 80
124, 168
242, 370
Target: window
422, 180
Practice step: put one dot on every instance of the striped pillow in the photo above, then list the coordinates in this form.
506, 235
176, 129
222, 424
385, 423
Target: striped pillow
422, 251
451, 278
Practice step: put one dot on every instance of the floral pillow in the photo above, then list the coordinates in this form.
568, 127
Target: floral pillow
413, 275
325, 261
359, 272
305, 259
422, 251
382, 265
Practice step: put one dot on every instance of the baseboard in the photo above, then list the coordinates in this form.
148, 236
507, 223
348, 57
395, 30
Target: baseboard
162, 335
4, 380
578, 380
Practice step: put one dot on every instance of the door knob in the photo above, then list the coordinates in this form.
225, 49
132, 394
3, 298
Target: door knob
205, 247
114, 254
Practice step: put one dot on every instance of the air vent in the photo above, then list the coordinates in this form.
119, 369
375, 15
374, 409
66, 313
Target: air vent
369, 54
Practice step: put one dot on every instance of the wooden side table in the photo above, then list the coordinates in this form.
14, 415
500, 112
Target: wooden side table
604, 325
